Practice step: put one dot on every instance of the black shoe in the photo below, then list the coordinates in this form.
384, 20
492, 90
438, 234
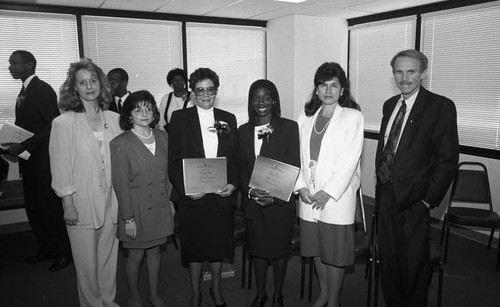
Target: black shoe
213, 299
278, 301
259, 301
59, 264
38, 257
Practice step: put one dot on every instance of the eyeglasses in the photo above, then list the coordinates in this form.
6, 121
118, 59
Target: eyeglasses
200, 91
138, 111
266, 99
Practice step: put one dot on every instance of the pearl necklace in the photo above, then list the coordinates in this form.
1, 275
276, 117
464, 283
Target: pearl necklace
322, 130
141, 136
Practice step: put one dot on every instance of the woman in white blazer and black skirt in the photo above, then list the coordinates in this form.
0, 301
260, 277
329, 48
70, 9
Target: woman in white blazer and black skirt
331, 140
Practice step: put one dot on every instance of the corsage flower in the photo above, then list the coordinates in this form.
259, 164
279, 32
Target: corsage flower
264, 132
220, 127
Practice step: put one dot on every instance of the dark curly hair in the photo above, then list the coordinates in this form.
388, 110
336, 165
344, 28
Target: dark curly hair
326, 72
201, 74
176, 72
69, 100
135, 100
266, 84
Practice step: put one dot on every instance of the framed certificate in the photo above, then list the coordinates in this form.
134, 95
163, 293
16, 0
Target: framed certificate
204, 175
274, 176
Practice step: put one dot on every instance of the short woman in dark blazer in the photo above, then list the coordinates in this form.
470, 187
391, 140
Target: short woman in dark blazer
140, 178
269, 220
206, 220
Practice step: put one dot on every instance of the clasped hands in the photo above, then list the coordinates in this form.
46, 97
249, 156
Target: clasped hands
226, 191
261, 197
317, 200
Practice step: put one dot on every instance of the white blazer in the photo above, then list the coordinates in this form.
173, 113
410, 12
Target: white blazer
338, 171
79, 169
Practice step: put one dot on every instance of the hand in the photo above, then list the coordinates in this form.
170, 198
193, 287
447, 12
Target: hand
306, 196
261, 197
226, 191
13, 149
131, 229
70, 215
320, 200
196, 196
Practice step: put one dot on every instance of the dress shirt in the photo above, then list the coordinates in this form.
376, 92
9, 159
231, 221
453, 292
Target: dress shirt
210, 139
410, 101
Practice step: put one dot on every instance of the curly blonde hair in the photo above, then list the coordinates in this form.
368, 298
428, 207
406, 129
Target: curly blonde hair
69, 100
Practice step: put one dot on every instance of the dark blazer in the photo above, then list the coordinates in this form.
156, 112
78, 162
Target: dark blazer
35, 115
113, 105
282, 145
140, 180
427, 155
185, 141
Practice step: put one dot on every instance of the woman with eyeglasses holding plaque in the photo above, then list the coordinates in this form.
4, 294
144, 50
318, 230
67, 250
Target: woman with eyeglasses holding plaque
331, 140
269, 220
206, 220
140, 178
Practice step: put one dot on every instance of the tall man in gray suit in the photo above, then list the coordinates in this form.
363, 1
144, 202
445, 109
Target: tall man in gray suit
417, 158
36, 107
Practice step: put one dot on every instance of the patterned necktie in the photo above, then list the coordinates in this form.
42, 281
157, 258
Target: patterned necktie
384, 171
119, 105
21, 98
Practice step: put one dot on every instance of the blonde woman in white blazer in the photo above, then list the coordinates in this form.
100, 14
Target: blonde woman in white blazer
81, 176
331, 141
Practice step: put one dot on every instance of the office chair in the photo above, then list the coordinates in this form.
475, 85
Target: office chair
470, 190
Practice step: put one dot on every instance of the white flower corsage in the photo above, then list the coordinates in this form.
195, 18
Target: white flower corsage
220, 127
264, 132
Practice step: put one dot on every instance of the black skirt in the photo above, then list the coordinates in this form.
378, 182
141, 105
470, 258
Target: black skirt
270, 236
206, 232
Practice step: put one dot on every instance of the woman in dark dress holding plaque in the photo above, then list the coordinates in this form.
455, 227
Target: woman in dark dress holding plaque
269, 220
206, 219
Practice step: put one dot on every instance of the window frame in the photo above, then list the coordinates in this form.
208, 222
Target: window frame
418, 11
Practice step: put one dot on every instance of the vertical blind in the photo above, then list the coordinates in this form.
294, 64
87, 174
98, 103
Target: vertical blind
51, 38
236, 54
371, 49
146, 49
463, 47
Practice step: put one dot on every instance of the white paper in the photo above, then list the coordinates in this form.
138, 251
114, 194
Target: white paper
14, 134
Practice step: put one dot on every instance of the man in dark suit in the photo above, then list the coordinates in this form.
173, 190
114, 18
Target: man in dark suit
36, 107
118, 80
417, 158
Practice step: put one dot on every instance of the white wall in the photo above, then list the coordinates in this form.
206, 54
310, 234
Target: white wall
296, 47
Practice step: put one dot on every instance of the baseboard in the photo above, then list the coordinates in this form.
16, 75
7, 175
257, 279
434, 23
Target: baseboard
15, 227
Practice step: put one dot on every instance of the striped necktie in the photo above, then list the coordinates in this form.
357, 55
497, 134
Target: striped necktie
384, 171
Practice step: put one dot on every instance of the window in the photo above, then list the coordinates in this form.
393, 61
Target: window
372, 47
236, 54
146, 49
51, 38
463, 47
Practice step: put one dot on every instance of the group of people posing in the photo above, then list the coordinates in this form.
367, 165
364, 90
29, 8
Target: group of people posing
117, 172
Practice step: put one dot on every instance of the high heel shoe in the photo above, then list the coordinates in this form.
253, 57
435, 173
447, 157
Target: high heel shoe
213, 299
259, 301
278, 301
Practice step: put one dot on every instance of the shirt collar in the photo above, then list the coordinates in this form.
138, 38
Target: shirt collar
28, 80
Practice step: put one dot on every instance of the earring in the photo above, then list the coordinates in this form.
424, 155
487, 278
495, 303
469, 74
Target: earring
130, 121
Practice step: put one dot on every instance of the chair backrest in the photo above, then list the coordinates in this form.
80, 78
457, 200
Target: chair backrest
471, 185
360, 218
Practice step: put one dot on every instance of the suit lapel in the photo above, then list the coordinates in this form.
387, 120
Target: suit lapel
193, 123
412, 122
222, 137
